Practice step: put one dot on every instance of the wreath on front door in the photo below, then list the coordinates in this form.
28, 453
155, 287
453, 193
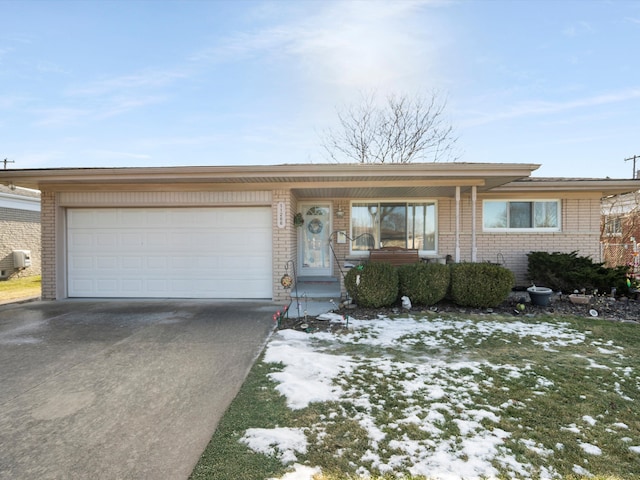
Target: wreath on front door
315, 226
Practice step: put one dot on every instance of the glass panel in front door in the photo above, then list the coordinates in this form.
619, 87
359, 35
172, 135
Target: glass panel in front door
316, 255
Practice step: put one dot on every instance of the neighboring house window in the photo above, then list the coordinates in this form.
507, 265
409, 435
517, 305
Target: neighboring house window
393, 224
613, 226
516, 215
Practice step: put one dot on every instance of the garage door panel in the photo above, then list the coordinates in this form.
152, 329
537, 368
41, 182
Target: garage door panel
80, 284
169, 252
82, 239
130, 263
133, 286
107, 285
108, 263
106, 239
82, 262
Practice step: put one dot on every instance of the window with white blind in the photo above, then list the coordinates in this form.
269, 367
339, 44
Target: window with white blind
521, 215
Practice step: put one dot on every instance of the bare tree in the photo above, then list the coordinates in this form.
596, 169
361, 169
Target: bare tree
401, 130
620, 231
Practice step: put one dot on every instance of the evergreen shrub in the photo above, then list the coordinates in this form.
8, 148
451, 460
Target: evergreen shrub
373, 285
424, 283
480, 285
567, 272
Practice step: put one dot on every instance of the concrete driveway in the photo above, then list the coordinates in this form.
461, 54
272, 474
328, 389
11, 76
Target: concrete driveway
120, 389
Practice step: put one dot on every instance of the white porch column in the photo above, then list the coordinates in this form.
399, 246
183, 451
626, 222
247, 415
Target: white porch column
457, 259
474, 247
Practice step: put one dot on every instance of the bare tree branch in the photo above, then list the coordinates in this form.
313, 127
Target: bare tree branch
401, 130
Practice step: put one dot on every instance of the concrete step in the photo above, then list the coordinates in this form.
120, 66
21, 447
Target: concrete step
317, 288
313, 296
302, 308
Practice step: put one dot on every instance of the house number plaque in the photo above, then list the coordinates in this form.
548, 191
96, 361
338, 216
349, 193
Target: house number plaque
282, 215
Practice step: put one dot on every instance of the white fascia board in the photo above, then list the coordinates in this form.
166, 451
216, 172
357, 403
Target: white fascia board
18, 202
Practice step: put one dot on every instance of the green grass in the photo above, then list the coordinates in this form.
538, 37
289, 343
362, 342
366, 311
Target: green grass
257, 405
19, 288
555, 396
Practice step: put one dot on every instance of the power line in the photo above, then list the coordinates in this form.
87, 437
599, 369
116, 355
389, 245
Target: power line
7, 161
634, 164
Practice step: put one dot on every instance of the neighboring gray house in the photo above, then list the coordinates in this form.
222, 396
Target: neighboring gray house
19, 232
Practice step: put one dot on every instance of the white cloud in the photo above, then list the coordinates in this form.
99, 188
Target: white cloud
111, 155
541, 107
363, 44
4, 51
136, 81
181, 141
11, 101
121, 104
59, 116
578, 28
38, 159
50, 67
347, 44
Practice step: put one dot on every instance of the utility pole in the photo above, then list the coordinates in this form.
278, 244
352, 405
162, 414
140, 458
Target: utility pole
7, 161
634, 164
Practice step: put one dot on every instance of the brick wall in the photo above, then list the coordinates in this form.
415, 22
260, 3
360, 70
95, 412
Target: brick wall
285, 244
48, 241
341, 224
580, 231
19, 230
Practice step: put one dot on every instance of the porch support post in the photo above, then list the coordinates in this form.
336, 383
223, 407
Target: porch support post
474, 247
457, 224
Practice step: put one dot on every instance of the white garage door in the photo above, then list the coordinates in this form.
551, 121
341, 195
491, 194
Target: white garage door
169, 252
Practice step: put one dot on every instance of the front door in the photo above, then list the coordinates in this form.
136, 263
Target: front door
314, 249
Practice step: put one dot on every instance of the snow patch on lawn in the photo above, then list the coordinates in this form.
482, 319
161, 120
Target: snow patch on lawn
450, 394
308, 374
590, 448
283, 443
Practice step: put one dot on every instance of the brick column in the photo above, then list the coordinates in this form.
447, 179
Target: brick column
48, 244
341, 224
285, 245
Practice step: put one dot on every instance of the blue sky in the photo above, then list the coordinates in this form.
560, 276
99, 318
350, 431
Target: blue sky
154, 83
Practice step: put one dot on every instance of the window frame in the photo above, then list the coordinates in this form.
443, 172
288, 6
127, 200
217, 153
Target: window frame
532, 201
615, 220
407, 203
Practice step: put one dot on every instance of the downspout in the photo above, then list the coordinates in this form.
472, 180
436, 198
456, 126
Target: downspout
474, 247
458, 224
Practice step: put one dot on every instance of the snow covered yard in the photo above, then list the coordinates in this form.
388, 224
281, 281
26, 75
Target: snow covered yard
451, 398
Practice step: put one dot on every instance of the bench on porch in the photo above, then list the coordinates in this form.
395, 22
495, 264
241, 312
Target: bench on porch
395, 256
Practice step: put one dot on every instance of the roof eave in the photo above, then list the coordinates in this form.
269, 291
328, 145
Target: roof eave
605, 186
261, 174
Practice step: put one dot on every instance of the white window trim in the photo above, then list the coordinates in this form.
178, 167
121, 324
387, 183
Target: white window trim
365, 253
524, 230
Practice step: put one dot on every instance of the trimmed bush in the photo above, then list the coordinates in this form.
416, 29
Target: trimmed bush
424, 283
373, 285
480, 285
